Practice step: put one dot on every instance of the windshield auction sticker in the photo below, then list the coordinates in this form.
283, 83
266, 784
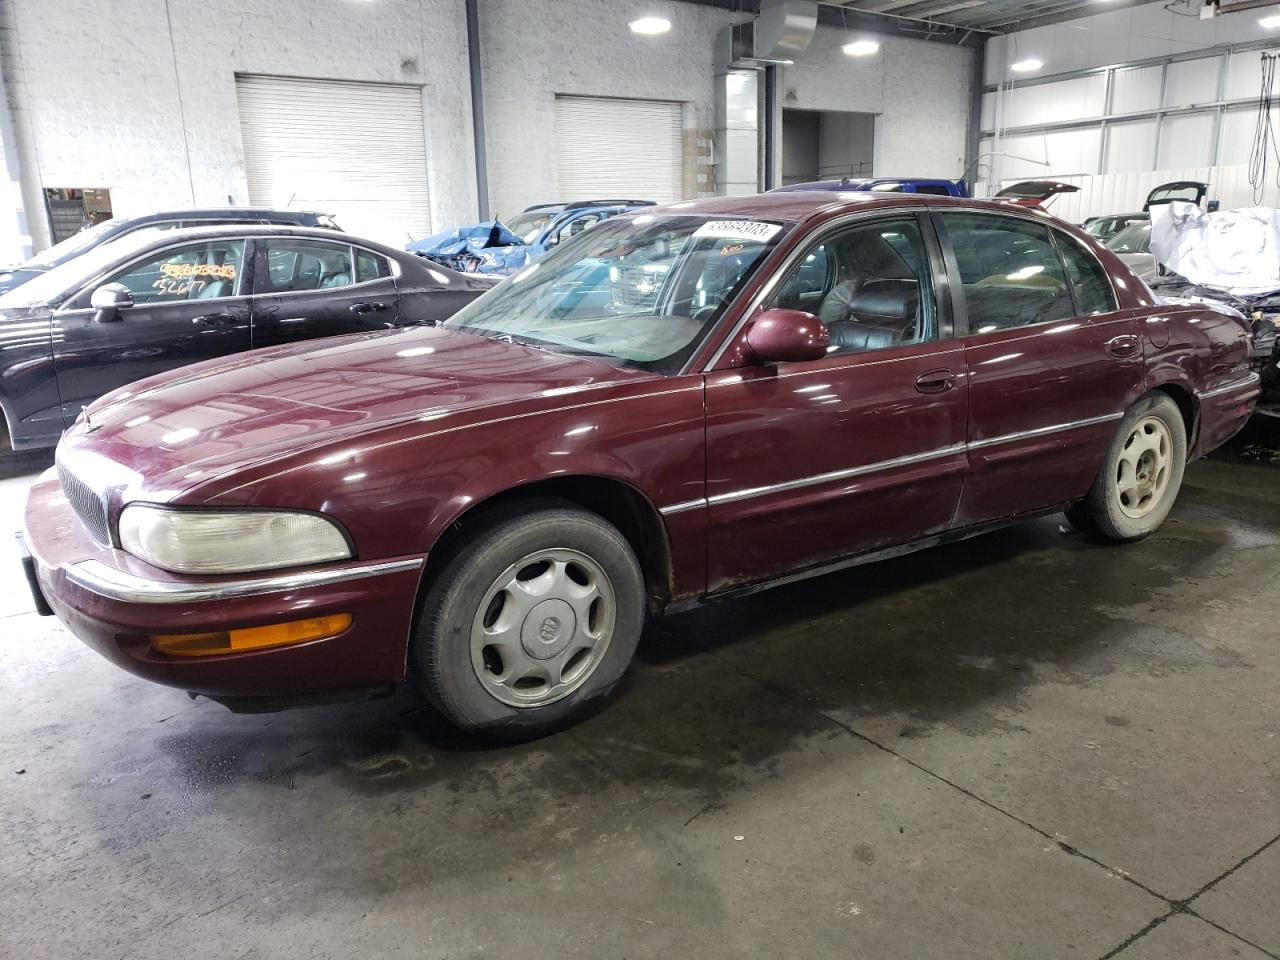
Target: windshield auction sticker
738, 230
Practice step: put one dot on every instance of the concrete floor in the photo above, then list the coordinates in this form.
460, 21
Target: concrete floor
1021, 746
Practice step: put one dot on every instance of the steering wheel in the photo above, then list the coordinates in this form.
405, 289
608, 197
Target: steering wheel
703, 314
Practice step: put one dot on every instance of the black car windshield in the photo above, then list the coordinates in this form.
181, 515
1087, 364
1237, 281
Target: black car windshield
52, 285
642, 291
72, 245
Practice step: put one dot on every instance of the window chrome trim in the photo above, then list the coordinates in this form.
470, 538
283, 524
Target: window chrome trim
911, 459
683, 507
115, 584
1251, 380
846, 474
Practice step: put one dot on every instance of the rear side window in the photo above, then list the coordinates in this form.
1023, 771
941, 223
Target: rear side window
1088, 279
1010, 272
933, 190
298, 265
370, 266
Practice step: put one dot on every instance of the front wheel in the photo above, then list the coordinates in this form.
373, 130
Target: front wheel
533, 620
1141, 476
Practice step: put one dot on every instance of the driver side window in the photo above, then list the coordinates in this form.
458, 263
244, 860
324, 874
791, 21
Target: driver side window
870, 284
200, 271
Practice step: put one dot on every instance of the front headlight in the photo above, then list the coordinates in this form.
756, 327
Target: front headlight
229, 541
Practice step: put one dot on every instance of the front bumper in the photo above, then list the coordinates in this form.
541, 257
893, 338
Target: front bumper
114, 603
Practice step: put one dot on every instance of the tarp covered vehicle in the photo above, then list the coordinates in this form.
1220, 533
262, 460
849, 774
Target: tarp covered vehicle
1230, 257
499, 249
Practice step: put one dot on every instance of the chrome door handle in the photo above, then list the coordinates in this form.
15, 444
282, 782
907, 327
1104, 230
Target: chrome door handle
1125, 345
367, 307
216, 320
935, 381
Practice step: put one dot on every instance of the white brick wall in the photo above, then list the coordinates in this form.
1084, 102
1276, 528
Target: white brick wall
106, 92
532, 50
101, 95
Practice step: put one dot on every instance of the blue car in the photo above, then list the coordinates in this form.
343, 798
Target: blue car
87, 239
501, 248
938, 188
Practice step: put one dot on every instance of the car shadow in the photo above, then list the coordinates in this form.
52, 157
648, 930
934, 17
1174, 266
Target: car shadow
949, 635
20, 463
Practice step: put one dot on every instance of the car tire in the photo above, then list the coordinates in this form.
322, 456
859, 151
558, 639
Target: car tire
1141, 475
531, 622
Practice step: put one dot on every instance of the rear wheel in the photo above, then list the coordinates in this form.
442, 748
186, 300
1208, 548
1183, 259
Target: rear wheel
1140, 478
536, 618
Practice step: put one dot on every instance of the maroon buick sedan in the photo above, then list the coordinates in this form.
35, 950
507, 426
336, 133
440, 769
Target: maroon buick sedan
676, 405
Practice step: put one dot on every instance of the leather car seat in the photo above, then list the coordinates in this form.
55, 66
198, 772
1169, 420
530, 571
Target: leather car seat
215, 288
881, 313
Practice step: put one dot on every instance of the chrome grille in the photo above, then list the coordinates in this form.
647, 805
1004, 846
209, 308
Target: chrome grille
87, 503
636, 287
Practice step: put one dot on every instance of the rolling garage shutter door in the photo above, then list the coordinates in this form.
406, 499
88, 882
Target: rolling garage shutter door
355, 150
619, 149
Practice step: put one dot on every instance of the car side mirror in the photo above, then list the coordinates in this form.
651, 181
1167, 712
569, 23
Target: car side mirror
788, 336
109, 299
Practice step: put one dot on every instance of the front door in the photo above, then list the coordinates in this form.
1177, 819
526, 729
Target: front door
863, 449
1051, 362
190, 303
305, 289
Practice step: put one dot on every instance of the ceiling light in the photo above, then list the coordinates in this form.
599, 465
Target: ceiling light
1026, 66
650, 26
1270, 21
860, 48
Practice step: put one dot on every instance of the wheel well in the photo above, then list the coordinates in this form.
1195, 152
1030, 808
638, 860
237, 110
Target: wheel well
621, 504
1186, 405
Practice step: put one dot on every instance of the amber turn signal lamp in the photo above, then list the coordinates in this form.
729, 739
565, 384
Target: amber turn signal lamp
251, 638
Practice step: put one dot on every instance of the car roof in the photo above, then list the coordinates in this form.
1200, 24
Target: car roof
808, 204
192, 234
202, 213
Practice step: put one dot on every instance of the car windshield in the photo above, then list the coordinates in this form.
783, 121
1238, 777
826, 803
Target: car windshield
642, 291
70, 246
52, 285
527, 226
1135, 238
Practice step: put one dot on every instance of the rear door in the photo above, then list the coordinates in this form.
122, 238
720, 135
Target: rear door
190, 303
306, 288
814, 461
1051, 361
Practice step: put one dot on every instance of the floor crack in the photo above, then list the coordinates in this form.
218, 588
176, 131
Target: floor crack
1175, 906
1065, 847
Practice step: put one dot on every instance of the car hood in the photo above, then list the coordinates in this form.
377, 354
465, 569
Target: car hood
168, 433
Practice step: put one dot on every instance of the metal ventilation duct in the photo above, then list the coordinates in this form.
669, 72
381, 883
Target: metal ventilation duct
784, 28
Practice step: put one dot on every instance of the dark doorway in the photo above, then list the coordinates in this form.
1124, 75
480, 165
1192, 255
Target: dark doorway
826, 145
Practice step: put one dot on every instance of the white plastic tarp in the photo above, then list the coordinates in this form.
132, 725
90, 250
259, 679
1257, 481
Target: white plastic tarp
1236, 250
